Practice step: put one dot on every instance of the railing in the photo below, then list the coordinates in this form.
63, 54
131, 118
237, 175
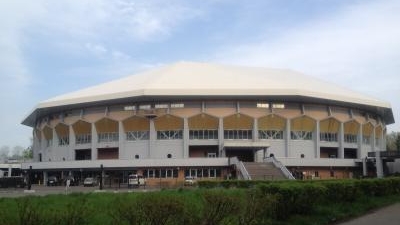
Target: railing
279, 165
393, 154
239, 165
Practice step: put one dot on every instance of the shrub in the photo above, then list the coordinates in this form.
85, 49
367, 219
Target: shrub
219, 207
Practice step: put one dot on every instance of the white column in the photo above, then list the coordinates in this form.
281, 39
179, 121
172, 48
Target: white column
317, 141
360, 143
122, 151
185, 138
9, 170
153, 138
71, 155
379, 164
287, 139
94, 142
364, 164
45, 178
221, 137
341, 141
255, 130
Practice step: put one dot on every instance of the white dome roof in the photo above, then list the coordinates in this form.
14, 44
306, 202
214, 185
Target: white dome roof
204, 79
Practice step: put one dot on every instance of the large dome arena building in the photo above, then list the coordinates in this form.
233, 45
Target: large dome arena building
208, 121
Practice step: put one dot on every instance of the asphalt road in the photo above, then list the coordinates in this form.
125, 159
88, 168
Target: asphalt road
386, 216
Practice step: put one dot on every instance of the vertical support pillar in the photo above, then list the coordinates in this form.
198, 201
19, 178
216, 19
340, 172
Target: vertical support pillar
185, 137
29, 178
9, 170
152, 139
71, 155
94, 142
255, 130
360, 143
221, 137
341, 141
287, 138
317, 140
364, 165
101, 176
379, 164
121, 139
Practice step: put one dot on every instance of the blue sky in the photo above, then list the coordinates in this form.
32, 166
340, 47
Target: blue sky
48, 48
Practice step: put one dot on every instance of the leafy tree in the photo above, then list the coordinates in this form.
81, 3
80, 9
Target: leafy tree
393, 141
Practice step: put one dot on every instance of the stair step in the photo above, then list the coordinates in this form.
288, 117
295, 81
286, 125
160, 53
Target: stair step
263, 171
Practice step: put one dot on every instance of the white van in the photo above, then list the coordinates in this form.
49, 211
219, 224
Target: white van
135, 180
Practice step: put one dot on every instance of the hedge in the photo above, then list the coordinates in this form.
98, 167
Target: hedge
228, 202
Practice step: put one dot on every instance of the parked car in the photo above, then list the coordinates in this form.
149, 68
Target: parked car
52, 181
135, 180
189, 181
90, 182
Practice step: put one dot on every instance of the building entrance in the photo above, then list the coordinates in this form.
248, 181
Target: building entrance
245, 155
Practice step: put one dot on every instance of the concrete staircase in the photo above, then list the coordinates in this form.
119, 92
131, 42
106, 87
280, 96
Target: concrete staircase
263, 171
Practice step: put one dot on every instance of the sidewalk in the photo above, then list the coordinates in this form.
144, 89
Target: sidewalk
386, 216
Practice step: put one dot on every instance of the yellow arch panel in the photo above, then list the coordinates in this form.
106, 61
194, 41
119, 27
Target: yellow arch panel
303, 123
82, 127
136, 123
378, 131
329, 125
168, 122
106, 125
271, 122
48, 133
203, 122
367, 129
351, 127
238, 121
62, 130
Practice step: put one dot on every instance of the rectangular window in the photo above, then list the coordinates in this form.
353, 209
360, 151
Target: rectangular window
278, 106
145, 107
83, 139
301, 135
108, 137
212, 155
329, 137
63, 141
270, 134
130, 108
350, 138
161, 106
203, 134
177, 105
137, 135
263, 105
238, 134
169, 134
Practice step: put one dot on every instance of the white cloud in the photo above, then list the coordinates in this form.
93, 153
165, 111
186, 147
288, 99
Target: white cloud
358, 48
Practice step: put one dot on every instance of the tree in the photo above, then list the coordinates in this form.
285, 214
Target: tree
27, 153
393, 141
17, 152
4, 152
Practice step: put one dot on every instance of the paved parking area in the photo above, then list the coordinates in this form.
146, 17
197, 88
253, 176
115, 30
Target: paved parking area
386, 216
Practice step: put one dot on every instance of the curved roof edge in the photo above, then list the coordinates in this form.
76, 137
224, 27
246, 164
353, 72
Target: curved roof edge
202, 80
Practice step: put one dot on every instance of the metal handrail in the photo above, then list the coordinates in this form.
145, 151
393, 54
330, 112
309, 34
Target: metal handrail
282, 167
239, 165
